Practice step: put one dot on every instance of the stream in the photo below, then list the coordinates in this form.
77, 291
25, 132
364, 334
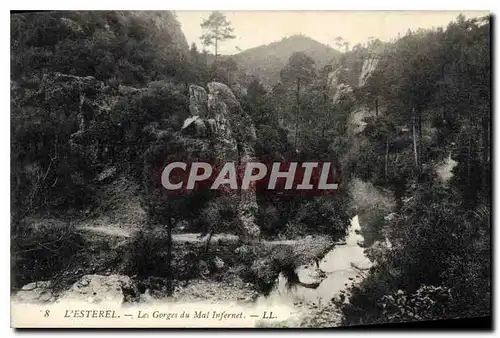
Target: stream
299, 305
336, 273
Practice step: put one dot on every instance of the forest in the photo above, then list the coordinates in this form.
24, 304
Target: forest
99, 104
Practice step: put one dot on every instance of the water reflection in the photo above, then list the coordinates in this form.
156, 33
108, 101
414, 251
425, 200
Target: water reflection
338, 270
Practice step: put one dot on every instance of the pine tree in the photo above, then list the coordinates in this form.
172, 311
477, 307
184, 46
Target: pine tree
217, 29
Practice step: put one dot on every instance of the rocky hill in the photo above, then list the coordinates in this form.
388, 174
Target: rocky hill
267, 61
129, 47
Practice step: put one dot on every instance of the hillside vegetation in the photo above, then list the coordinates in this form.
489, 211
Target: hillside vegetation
99, 102
266, 61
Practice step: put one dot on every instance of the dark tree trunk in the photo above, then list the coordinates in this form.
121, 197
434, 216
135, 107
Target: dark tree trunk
486, 150
170, 289
211, 233
469, 149
216, 42
415, 142
387, 157
298, 114
419, 126
399, 190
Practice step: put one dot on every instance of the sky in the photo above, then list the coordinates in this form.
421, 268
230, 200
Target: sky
255, 28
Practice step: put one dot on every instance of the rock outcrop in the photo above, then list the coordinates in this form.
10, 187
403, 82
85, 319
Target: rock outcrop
169, 31
369, 66
445, 169
357, 118
339, 79
90, 288
231, 133
85, 98
343, 92
333, 79
35, 292
197, 101
98, 289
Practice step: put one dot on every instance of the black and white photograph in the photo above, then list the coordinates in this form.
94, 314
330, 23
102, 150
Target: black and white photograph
250, 169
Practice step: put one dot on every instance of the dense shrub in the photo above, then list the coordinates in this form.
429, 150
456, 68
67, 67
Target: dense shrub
320, 215
129, 46
43, 250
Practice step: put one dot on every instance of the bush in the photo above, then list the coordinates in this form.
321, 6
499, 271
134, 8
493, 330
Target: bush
268, 218
147, 254
320, 215
220, 215
438, 265
42, 250
128, 45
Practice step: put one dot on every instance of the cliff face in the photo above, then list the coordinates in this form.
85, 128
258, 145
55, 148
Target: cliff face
168, 28
82, 89
345, 81
127, 47
369, 65
55, 119
354, 73
213, 125
96, 116
219, 118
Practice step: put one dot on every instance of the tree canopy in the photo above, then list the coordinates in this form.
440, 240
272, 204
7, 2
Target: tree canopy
217, 29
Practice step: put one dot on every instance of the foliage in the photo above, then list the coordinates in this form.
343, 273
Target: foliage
435, 242
427, 303
110, 45
319, 215
118, 103
217, 30
43, 250
147, 253
219, 216
438, 262
300, 67
266, 62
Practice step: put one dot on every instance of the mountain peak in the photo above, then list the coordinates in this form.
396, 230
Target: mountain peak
299, 37
266, 61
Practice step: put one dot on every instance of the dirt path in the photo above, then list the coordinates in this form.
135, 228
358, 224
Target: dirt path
128, 232
114, 231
